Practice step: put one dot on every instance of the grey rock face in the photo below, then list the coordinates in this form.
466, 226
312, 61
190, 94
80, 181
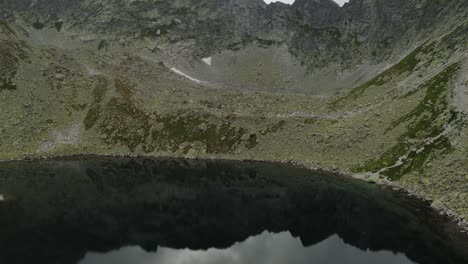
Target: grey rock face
318, 31
375, 86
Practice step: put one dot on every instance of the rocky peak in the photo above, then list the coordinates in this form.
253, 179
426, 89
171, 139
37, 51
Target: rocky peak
315, 3
317, 13
369, 28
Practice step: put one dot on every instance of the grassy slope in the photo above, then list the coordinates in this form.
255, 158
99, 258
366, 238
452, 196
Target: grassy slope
139, 107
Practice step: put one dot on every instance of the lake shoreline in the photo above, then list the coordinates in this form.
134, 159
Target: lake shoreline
369, 178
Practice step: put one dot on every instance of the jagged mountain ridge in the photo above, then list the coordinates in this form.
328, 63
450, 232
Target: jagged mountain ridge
307, 27
377, 88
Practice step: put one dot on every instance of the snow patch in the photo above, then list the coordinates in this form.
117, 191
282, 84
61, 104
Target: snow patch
185, 75
207, 60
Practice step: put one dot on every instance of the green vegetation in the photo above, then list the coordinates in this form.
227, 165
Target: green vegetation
433, 105
179, 129
11, 53
123, 122
424, 134
310, 121
415, 160
94, 112
253, 141
58, 25
6, 27
103, 45
101, 97
7, 84
273, 128
407, 64
131, 127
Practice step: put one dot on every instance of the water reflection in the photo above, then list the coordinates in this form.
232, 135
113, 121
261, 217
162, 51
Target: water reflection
266, 248
62, 210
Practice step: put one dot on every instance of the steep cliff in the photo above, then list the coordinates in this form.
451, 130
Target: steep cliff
376, 87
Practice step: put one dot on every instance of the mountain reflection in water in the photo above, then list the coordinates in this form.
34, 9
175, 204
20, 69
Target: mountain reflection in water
266, 248
104, 210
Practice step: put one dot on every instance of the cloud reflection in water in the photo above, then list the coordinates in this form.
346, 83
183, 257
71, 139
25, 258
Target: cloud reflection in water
267, 248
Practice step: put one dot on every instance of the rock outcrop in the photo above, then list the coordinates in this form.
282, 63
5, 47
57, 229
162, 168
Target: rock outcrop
376, 87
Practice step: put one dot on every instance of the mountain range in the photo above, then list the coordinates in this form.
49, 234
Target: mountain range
376, 88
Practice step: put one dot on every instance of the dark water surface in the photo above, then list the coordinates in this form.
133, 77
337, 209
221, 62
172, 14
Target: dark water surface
147, 211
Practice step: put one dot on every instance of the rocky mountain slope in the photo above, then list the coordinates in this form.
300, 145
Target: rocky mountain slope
376, 87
